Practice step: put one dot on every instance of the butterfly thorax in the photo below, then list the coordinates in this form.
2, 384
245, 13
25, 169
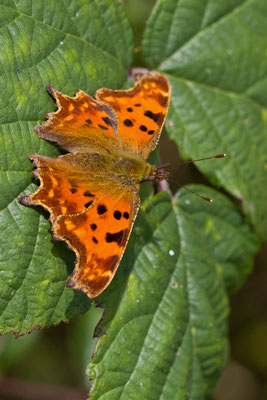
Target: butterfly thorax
131, 166
136, 169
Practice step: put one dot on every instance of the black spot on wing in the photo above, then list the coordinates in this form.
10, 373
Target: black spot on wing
107, 121
118, 237
94, 239
101, 209
117, 214
126, 215
73, 190
130, 109
102, 127
88, 194
93, 227
143, 128
153, 116
128, 122
88, 121
88, 204
150, 132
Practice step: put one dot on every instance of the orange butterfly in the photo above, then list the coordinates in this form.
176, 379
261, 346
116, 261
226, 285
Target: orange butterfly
92, 192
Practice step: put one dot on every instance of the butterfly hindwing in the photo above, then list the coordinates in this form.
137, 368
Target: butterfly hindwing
99, 237
63, 189
93, 216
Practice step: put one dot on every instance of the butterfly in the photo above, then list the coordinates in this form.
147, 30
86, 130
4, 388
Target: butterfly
92, 191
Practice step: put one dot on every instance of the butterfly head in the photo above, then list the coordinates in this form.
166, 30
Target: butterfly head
157, 174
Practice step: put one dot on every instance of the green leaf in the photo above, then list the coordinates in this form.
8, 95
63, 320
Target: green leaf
166, 336
80, 44
215, 56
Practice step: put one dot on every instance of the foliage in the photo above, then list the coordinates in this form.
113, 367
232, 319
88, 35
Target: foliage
166, 311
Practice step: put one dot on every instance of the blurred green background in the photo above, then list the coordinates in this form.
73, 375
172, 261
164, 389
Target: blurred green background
57, 357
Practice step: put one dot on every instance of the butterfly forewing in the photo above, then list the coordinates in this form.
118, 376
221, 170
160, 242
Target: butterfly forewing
140, 111
79, 123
